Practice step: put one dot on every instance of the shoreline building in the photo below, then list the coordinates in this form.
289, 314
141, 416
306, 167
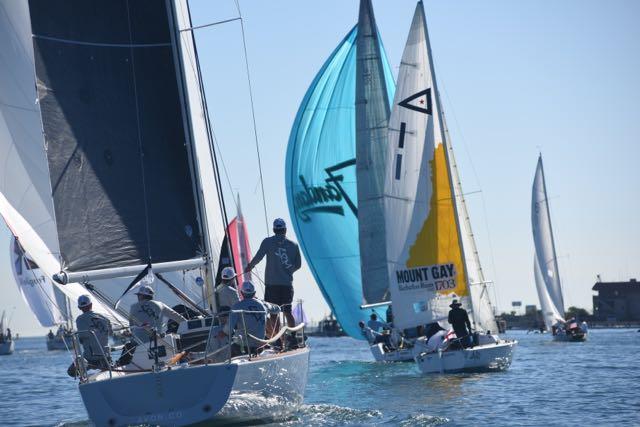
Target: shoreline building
617, 301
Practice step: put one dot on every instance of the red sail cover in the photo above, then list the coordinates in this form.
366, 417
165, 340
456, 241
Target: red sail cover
239, 238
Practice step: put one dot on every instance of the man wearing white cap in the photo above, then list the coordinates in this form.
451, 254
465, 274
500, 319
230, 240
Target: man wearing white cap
93, 332
226, 293
283, 259
146, 315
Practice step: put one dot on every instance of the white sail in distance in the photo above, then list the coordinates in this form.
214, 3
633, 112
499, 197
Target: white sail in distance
426, 261
550, 314
545, 250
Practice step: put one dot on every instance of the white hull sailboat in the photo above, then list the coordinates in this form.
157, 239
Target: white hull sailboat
141, 148
432, 257
6, 343
482, 358
545, 266
241, 389
6, 348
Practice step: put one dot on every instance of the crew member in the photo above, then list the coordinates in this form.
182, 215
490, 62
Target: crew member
226, 293
248, 317
374, 337
283, 259
459, 319
146, 315
375, 324
93, 333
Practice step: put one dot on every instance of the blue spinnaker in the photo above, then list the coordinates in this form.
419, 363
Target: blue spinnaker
321, 182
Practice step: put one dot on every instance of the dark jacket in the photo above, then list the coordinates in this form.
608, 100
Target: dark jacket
459, 319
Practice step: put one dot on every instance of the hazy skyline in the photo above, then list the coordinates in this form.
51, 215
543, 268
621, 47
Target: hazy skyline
516, 78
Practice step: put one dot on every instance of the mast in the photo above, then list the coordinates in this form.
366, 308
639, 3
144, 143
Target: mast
446, 146
553, 245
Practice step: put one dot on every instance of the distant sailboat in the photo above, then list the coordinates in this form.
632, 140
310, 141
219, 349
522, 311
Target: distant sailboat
335, 173
432, 257
545, 266
6, 341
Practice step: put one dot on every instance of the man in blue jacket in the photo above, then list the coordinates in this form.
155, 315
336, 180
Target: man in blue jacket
283, 258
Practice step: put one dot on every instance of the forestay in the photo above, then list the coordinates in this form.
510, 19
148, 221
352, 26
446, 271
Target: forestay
372, 119
545, 250
321, 181
117, 143
424, 246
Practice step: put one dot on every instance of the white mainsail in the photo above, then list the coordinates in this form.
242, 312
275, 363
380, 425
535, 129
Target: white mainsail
372, 119
432, 257
25, 191
545, 251
550, 313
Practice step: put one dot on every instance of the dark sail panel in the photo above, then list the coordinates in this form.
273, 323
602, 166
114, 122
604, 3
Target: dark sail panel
113, 123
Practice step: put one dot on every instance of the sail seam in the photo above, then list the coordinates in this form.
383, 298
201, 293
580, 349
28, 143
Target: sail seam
123, 45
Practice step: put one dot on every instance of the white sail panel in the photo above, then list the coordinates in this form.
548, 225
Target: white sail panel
425, 259
25, 191
35, 287
550, 313
543, 238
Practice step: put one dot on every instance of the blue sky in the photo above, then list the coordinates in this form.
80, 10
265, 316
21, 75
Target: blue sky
516, 78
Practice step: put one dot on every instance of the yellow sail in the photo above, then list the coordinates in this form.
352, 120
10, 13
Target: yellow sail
438, 243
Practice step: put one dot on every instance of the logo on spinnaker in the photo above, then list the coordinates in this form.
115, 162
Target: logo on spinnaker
325, 198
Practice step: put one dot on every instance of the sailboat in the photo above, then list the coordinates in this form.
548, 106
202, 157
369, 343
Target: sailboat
432, 257
112, 179
335, 174
6, 341
545, 266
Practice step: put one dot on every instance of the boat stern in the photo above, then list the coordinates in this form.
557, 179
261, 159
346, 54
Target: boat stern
180, 396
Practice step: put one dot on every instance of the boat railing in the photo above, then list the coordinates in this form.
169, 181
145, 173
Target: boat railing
81, 365
243, 340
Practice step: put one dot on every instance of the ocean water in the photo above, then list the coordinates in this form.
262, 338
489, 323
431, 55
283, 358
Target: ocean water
549, 384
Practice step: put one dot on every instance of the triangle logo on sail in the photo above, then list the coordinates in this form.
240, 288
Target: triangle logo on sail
420, 102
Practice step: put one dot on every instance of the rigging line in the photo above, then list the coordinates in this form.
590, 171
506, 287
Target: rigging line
197, 27
253, 117
484, 205
144, 184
